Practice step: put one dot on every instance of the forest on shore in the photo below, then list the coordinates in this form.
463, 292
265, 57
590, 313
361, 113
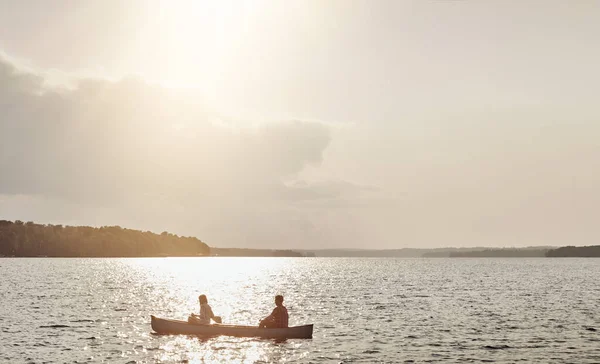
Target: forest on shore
575, 251
29, 239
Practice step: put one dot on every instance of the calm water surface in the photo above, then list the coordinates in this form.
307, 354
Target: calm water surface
364, 310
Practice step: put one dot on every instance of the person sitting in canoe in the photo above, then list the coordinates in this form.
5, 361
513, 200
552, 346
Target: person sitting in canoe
206, 313
278, 318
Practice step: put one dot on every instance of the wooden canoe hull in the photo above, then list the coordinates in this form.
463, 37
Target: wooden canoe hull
177, 327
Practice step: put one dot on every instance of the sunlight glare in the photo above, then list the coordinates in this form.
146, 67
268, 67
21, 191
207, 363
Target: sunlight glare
229, 283
200, 37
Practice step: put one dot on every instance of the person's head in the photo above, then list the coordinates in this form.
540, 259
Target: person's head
202, 298
279, 300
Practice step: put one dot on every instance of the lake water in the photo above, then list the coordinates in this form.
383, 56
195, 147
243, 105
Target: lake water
364, 310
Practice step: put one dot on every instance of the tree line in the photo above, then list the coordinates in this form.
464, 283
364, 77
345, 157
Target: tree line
29, 239
575, 251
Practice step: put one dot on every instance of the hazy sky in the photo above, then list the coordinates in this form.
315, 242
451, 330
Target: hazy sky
305, 124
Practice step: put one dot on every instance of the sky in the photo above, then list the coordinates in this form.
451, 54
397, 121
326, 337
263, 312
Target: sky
305, 124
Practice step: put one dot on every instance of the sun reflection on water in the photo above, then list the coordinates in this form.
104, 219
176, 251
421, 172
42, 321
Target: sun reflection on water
231, 284
240, 290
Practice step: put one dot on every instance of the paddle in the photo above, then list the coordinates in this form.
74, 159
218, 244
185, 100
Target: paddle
216, 319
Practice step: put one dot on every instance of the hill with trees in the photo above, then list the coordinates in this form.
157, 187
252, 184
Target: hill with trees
575, 251
30, 240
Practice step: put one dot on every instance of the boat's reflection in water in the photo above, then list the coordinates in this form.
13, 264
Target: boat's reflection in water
194, 349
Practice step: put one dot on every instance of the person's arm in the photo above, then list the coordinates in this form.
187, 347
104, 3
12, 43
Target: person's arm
272, 316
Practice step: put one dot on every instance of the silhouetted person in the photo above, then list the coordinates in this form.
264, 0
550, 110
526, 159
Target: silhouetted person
278, 318
206, 312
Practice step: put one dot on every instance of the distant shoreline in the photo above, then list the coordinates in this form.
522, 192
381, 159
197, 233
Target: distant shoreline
19, 239
473, 252
561, 252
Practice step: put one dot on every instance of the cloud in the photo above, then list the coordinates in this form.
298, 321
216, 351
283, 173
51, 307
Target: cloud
156, 158
108, 139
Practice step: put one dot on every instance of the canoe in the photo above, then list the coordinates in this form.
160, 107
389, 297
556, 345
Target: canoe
176, 327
